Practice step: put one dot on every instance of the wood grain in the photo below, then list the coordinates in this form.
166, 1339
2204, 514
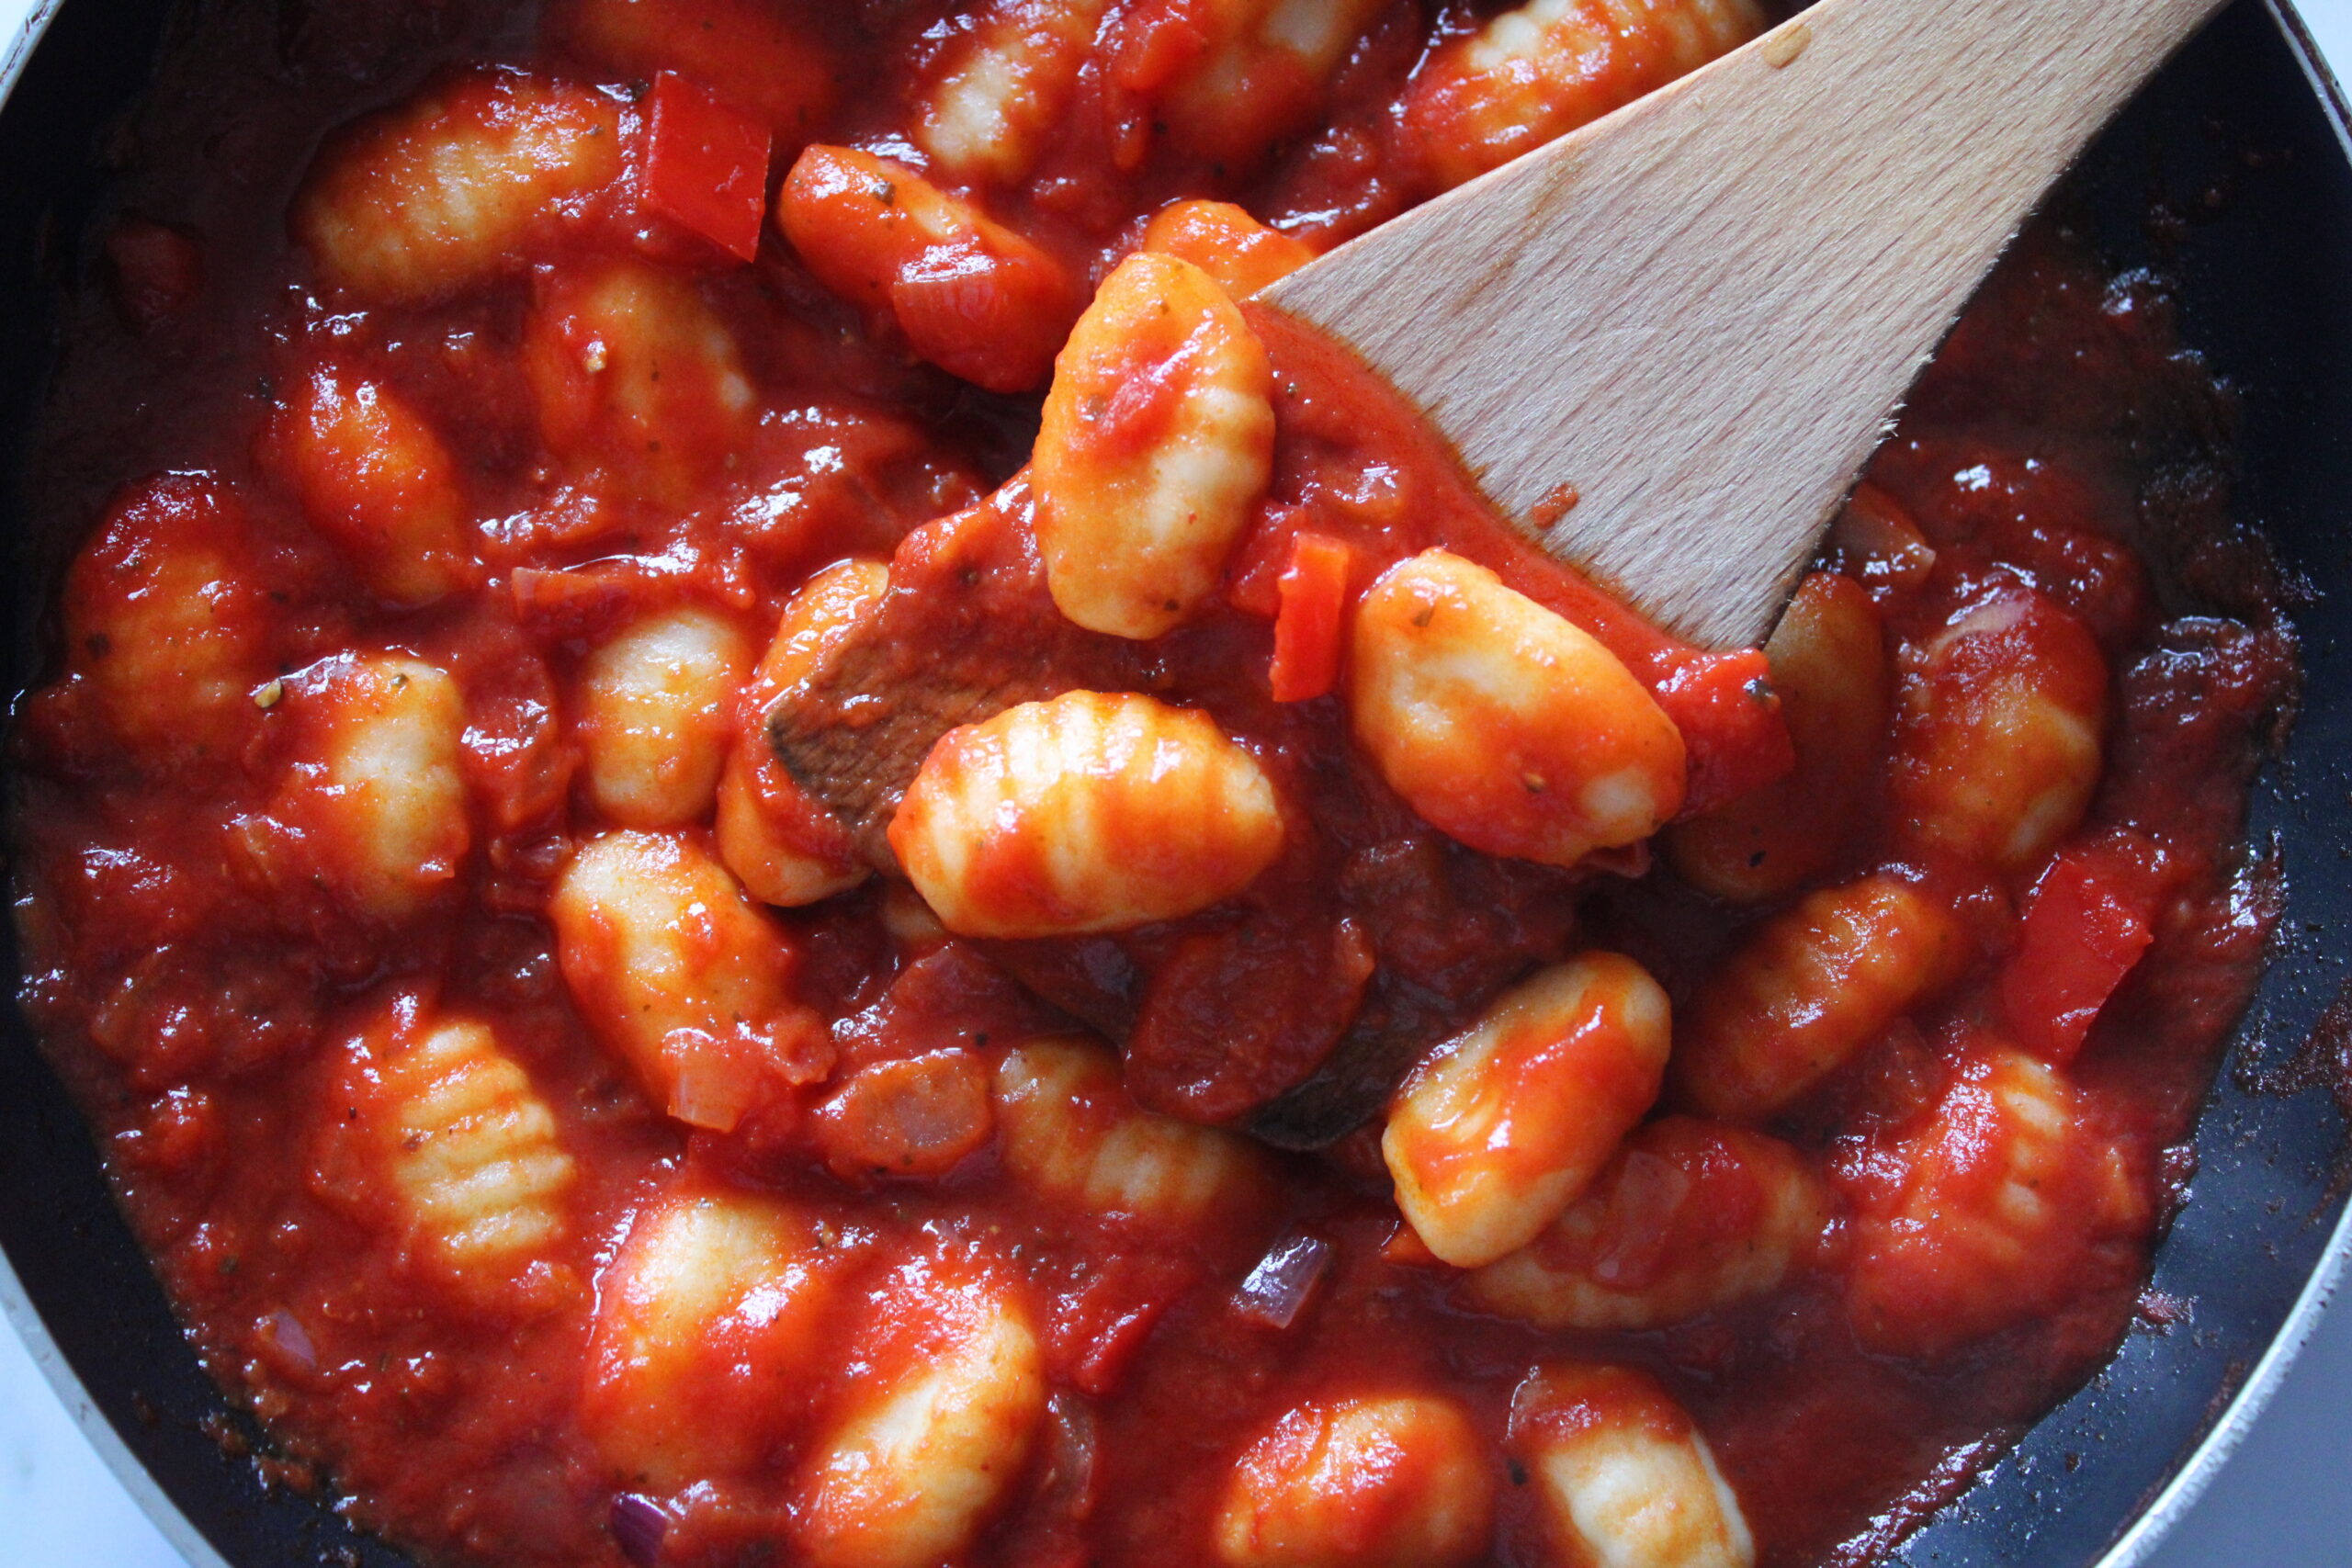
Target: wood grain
1699, 314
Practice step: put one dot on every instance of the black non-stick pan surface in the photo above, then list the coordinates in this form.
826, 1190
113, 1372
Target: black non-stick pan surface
2231, 176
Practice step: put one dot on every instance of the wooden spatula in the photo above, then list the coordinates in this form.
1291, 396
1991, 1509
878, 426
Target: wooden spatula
1697, 316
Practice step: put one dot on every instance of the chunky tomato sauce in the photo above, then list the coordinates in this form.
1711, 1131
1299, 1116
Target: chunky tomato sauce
498, 989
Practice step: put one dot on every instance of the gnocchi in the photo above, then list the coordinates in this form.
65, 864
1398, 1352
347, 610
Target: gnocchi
1390, 1481
1504, 725
784, 847
467, 1152
1155, 441
1689, 1217
377, 789
2010, 1198
1499, 1130
374, 475
683, 976
1241, 255
1626, 1481
1810, 988
1829, 667
1073, 1135
759, 56
1092, 812
921, 1452
713, 1321
2001, 733
458, 186
967, 294
654, 704
990, 105
636, 378
1548, 66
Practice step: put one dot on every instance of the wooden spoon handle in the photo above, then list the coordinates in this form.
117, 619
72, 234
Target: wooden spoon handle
1697, 315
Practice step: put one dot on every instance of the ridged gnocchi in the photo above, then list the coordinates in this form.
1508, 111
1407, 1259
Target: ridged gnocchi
374, 475
467, 1153
714, 1321
1809, 989
1505, 725
1092, 812
1071, 1135
921, 1450
757, 55
163, 625
992, 99
1261, 71
1540, 71
376, 787
456, 187
1499, 1129
1993, 1212
1157, 440
683, 976
1380, 1481
637, 378
2002, 734
1242, 255
1829, 667
784, 847
1689, 1217
653, 706
1626, 1481
967, 294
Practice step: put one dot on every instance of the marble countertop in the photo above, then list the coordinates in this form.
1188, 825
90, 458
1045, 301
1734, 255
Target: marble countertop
2283, 1501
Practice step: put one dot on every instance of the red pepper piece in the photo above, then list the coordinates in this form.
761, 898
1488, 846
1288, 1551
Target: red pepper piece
707, 165
2086, 925
1314, 594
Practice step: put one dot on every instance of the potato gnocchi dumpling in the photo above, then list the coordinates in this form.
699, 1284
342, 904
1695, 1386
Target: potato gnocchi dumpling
1155, 443
1830, 669
785, 847
1810, 988
759, 56
1092, 812
467, 1152
683, 976
653, 706
967, 293
1544, 69
1072, 1135
714, 1320
637, 378
1503, 724
1378, 1480
1626, 1481
377, 788
1261, 73
2002, 733
1499, 1129
163, 615
917, 1454
1242, 255
1996, 1209
374, 475
458, 186
1689, 1217
996, 93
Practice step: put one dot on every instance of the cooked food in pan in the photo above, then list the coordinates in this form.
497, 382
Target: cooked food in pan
761, 836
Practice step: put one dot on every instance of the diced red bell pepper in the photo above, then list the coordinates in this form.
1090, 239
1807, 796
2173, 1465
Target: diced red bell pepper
1313, 597
707, 165
2086, 925
1731, 725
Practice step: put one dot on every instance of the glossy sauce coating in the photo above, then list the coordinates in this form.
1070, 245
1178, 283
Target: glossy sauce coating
557, 1112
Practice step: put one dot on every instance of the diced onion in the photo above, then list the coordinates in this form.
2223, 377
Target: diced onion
1277, 1289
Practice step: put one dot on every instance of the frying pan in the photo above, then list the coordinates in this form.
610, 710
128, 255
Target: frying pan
2243, 133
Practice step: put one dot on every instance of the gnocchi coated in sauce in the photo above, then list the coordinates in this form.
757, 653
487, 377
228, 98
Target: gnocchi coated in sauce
763, 835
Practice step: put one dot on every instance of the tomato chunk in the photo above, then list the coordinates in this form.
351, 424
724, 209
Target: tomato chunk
1313, 593
707, 165
2086, 925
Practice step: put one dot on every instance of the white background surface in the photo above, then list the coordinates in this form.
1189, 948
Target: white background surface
2285, 1501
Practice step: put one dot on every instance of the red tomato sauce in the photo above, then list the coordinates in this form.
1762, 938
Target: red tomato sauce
204, 944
